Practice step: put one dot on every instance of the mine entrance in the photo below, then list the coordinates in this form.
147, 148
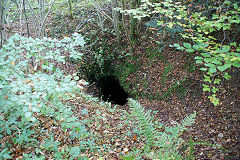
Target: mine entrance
111, 90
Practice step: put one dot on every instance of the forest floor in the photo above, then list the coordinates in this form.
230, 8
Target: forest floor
217, 126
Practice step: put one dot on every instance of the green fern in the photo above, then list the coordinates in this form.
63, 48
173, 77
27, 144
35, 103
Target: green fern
145, 122
159, 145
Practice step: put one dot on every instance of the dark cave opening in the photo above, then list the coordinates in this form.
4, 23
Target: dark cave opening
111, 90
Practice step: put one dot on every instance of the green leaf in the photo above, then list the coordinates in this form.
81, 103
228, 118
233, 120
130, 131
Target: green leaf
74, 151
206, 88
214, 99
225, 48
207, 79
206, 55
203, 69
236, 64
227, 76
187, 45
190, 50
207, 60
217, 81
28, 115
224, 67
176, 45
198, 57
214, 89
199, 61
196, 47
205, 45
210, 65
213, 70
217, 62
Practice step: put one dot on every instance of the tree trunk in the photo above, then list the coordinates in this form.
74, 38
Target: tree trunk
1, 23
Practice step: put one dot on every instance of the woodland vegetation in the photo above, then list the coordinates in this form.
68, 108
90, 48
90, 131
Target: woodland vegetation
175, 63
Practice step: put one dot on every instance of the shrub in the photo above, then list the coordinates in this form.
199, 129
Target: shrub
31, 87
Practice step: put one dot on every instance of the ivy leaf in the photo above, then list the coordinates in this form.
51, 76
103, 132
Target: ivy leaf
187, 45
236, 64
178, 46
205, 45
28, 115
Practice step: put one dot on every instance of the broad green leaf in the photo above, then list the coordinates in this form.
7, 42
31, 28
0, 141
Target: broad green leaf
210, 65
187, 45
224, 67
196, 47
212, 69
190, 50
205, 45
207, 60
225, 48
217, 62
199, 61
206, 55
176, 45
203, 69
74, 151
198, 57
236, 64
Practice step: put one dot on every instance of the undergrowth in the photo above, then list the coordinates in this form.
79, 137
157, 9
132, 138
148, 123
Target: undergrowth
36, 110
159, 144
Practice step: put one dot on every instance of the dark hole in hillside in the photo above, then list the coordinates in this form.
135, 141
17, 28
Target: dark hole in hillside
111, 90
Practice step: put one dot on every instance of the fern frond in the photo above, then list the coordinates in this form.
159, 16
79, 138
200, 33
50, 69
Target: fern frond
145, 120
168, 141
